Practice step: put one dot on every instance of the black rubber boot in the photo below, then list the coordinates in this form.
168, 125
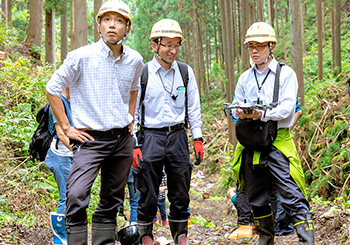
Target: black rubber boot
145, 231
266, 229
103, 230
303, 224
77, 234
179, 230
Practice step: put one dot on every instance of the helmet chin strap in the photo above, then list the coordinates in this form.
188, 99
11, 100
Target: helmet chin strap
166, 62
270, 55
118, 42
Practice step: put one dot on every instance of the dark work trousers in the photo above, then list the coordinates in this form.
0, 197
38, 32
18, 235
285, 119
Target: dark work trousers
112, 153
260, 181
168, 149
244, 211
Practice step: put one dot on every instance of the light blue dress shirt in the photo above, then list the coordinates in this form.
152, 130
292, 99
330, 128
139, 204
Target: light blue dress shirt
247, 89
160, 109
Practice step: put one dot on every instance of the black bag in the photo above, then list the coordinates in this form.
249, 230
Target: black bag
256, 134
41, 139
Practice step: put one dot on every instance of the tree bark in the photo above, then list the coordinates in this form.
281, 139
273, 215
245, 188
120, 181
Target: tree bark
50, 37
196, 63
80, 35
97, 5
244, 27
283, 36
337, 39
215, 33
269, 12
9, 12
319, 39
276, 20
295, 43
64, 31
4, 10
34, 35
260, 10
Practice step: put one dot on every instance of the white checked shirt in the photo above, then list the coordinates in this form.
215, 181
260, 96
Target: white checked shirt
99, 85
247, 89
160, 109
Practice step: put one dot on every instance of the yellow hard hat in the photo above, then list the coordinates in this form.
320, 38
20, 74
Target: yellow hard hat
166, 28
260, 32
116, 6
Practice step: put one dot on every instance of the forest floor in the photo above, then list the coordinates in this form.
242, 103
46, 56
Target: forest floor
212, 218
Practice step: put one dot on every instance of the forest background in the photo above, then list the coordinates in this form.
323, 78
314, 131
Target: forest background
312, 38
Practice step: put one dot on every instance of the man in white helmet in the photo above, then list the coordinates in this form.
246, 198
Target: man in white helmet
168, 101
276, 166
104, 80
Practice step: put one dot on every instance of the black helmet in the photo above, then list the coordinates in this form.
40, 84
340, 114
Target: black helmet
129, 235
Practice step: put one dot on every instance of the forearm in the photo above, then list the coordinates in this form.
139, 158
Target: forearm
132, 102
62, 137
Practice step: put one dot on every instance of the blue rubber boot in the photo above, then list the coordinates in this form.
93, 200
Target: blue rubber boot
57, 225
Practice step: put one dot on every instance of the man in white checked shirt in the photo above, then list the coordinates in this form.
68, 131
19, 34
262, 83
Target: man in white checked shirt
104, 80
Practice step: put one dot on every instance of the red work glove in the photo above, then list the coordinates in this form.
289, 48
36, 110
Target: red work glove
137, 155
198, 148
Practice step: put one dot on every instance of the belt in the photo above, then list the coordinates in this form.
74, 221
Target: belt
174, 128
113, 131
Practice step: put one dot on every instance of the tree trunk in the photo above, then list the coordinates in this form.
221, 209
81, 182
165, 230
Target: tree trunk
196, 63
337, 42
4, 10
295, 43
260, 10
244, 27
34, 35
9, 12
97, 5
302, 29
276, 20
283, 36
236, 40
319, 39
224, 47
64, 31
187, 44
269, 12
216, 28
80, 35
50, 37
252, 12
220, 38
201, 55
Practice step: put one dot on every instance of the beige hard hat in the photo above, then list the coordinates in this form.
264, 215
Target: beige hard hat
166, 28
116, 6
260, 32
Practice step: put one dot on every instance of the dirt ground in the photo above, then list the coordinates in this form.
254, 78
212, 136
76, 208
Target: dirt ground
218, 218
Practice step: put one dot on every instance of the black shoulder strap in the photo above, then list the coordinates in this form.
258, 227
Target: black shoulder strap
277, 82
184, 74
144, 81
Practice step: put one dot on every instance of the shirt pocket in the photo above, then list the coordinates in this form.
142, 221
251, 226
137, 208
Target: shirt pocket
180, 94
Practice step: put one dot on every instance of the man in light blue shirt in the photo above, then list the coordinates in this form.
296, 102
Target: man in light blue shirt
278, 167
169, 103
104, 80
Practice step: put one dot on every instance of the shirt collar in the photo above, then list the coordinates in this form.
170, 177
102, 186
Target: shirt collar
157, 66
272, 66
107, 52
